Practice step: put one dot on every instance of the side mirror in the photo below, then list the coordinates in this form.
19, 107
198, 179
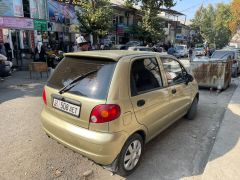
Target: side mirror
189, 78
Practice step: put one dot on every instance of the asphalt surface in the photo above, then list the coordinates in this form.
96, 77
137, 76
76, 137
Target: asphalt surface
27, 153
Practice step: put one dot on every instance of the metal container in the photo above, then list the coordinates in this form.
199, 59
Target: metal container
212, 73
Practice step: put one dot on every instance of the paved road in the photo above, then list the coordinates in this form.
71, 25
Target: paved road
183, 149
26, 153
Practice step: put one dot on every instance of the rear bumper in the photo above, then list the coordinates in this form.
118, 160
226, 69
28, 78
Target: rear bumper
102, 148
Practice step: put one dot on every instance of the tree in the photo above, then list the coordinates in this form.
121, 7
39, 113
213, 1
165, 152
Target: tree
95, 17
150, 28
235, 20
221, 23
212, 23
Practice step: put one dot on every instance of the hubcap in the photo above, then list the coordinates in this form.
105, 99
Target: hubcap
132, 155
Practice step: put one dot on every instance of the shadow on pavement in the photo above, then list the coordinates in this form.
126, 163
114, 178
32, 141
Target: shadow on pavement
20, 85
183, 150
230, 129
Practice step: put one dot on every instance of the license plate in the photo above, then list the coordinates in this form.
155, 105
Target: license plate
66, 107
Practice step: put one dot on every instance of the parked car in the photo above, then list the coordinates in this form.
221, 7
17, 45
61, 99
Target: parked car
133, 43
160, 50
120, 47
140, 48
5, 66
234, 54
181, 51
198, 51
107, 105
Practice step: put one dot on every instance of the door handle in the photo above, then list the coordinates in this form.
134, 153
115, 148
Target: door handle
174, 91
140, 103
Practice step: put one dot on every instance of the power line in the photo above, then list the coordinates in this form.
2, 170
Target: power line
189, 8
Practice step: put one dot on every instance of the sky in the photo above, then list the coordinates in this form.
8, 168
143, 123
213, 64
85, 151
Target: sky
189, 7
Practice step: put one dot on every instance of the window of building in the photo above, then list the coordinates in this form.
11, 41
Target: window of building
121, 19
26, 8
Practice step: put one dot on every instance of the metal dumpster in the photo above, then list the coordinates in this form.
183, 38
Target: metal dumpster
212, 73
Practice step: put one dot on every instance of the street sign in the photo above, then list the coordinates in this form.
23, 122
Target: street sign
40, 25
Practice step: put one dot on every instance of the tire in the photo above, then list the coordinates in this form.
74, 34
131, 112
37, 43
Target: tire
125, 167
192, 110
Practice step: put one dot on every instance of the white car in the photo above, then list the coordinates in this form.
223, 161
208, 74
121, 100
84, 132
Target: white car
181, 51
198, 51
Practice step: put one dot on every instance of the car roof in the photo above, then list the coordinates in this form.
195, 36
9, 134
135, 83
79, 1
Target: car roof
110, 54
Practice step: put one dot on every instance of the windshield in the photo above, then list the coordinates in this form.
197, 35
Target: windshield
222, 54
95, 85
179, 47
198, 49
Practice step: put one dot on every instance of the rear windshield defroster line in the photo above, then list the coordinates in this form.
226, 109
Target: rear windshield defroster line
94, 86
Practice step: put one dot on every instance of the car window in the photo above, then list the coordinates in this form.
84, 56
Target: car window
94, 86
145, 76
175, 73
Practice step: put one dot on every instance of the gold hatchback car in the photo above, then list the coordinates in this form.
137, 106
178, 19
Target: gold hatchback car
107, 104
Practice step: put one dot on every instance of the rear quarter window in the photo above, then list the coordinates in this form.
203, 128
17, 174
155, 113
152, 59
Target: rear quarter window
94, 86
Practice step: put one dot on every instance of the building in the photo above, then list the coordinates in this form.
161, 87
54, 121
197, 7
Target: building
176, 30
235, 41
24, 23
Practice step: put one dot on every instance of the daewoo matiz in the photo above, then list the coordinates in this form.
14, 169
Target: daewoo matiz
107, 104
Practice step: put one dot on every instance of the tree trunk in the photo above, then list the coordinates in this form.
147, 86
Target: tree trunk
91, 38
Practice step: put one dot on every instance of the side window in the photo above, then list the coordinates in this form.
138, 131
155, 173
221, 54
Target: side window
174, 71
145, 76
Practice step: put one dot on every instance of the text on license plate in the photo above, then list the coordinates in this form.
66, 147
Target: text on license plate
66, 107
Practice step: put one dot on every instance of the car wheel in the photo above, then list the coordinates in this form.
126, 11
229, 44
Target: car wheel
130, 155
193, 110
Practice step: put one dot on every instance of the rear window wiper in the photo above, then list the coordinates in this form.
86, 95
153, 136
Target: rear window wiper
72, 83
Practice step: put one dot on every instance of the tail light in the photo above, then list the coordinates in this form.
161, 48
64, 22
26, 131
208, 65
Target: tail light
44, 97
234, 61
105, 113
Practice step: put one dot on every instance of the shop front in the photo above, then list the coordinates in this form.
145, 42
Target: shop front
17, 37
62, 25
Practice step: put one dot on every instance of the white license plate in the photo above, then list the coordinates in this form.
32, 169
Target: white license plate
66, 107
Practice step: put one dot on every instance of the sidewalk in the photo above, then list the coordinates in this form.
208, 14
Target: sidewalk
224, 160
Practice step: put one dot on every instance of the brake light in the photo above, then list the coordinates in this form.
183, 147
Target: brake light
234, 61
44, 97
105, 113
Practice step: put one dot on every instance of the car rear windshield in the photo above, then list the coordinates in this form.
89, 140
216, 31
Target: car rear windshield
95, 85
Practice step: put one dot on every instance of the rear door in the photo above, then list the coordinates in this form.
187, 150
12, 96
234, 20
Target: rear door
85, 94
149, 98
180, 92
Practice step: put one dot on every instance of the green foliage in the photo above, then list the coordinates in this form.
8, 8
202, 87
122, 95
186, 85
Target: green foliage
150, 29
212, 23
95, 17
